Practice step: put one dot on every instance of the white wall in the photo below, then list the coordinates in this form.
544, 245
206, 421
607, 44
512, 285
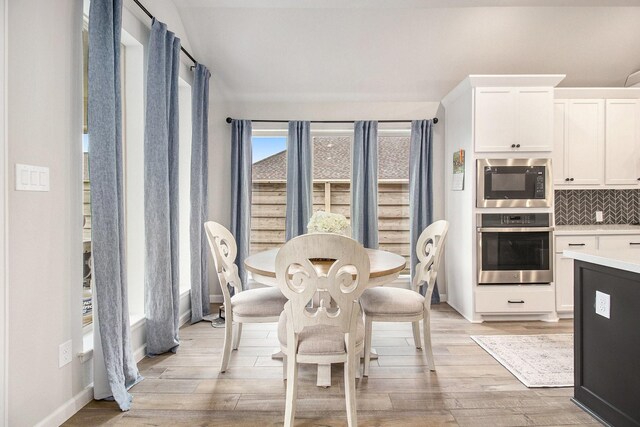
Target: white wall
220, 150
3, 240
44, 127
45, 228
219, 178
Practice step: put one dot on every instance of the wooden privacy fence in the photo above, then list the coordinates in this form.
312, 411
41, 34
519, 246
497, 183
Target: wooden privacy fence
268, 210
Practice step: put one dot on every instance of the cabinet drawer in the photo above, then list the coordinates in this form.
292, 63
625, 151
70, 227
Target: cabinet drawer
515, 299
575, 243
619, 243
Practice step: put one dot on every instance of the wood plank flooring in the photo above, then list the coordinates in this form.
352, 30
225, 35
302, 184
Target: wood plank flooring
469, 387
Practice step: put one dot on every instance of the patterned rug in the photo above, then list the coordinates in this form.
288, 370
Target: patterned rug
536, 360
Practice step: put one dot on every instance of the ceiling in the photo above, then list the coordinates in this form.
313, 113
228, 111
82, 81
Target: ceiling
405, 50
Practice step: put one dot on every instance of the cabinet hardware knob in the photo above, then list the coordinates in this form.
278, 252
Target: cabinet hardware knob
638, 179
566, 179
517, 145
515, 302
513, 145
571, 179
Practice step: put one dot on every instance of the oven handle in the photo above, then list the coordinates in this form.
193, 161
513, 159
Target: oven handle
514, 229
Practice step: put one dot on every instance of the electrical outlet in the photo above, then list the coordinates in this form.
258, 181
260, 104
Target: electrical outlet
599, 217
64, 353
603, 304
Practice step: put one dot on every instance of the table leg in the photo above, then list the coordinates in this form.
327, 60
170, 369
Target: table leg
324, 376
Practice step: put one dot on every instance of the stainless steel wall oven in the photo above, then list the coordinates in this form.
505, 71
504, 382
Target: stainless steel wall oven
514, 183
515, 248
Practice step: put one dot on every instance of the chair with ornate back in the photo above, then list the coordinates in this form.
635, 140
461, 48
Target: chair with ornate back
260, 305
322, 275
388, 304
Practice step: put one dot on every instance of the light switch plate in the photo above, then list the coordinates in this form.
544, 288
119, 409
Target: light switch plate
599, 217
603, 304
32, 178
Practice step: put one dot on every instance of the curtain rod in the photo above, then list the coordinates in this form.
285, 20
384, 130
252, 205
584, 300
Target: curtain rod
144, 9
229, 119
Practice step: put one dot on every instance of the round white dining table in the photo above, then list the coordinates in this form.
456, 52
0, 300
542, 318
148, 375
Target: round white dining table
384, 267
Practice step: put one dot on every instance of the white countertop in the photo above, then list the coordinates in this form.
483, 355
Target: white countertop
628, 261
572, 230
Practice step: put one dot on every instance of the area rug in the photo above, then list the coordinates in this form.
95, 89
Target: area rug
536, 360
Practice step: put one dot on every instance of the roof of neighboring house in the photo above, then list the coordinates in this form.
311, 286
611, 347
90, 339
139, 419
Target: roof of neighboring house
332, 159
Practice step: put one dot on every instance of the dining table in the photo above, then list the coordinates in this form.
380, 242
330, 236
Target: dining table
384, 268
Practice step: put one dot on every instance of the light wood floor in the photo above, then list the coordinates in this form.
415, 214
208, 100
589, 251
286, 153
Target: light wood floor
469, 388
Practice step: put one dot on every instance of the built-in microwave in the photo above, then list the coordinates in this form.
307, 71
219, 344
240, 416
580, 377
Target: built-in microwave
514, 183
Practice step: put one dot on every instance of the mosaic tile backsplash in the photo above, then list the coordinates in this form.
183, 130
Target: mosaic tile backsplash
578, 207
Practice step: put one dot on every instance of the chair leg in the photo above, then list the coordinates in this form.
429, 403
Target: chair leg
226, 350
292, 390
284, 367
368, 327
416, 334
428, 351
237, 332
350, 386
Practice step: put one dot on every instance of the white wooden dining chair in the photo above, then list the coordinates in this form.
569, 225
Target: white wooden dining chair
261, 305
332, 330
389, 304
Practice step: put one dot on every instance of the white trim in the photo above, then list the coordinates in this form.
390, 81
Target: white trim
215, 299
68, 409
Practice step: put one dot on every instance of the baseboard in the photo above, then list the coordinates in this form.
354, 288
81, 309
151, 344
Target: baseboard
186, 317
68, 409
138, 329
215, 299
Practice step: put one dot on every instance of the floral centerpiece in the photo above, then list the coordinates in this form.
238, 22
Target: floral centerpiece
326, 222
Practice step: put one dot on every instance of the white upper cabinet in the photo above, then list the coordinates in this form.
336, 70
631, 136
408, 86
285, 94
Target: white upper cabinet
560, 173
513, 119
622, 156
579, 142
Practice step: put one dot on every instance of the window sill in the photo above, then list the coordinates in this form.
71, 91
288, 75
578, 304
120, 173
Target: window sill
135, 320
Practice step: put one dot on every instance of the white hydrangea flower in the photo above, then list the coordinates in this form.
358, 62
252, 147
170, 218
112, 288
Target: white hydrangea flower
326, 222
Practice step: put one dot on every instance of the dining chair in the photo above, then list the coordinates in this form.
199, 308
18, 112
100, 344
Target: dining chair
390, 304
260, 305
322, 321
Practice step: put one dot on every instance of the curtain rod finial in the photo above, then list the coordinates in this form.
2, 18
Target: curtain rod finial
435, 120
229, 119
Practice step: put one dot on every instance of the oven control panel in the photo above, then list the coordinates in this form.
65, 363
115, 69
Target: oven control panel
516, 220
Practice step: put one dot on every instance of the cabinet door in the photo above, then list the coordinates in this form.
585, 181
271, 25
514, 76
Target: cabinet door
495, 124
622, 141
559, 167
585, 142
564, 283
534, 111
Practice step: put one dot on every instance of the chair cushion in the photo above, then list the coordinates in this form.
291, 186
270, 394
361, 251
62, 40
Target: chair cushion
259, 302
320, 339
390, 301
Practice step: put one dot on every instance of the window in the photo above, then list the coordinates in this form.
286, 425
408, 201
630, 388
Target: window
331, 185
87, 304
133, 138
332, 174
269, 192
393, 196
